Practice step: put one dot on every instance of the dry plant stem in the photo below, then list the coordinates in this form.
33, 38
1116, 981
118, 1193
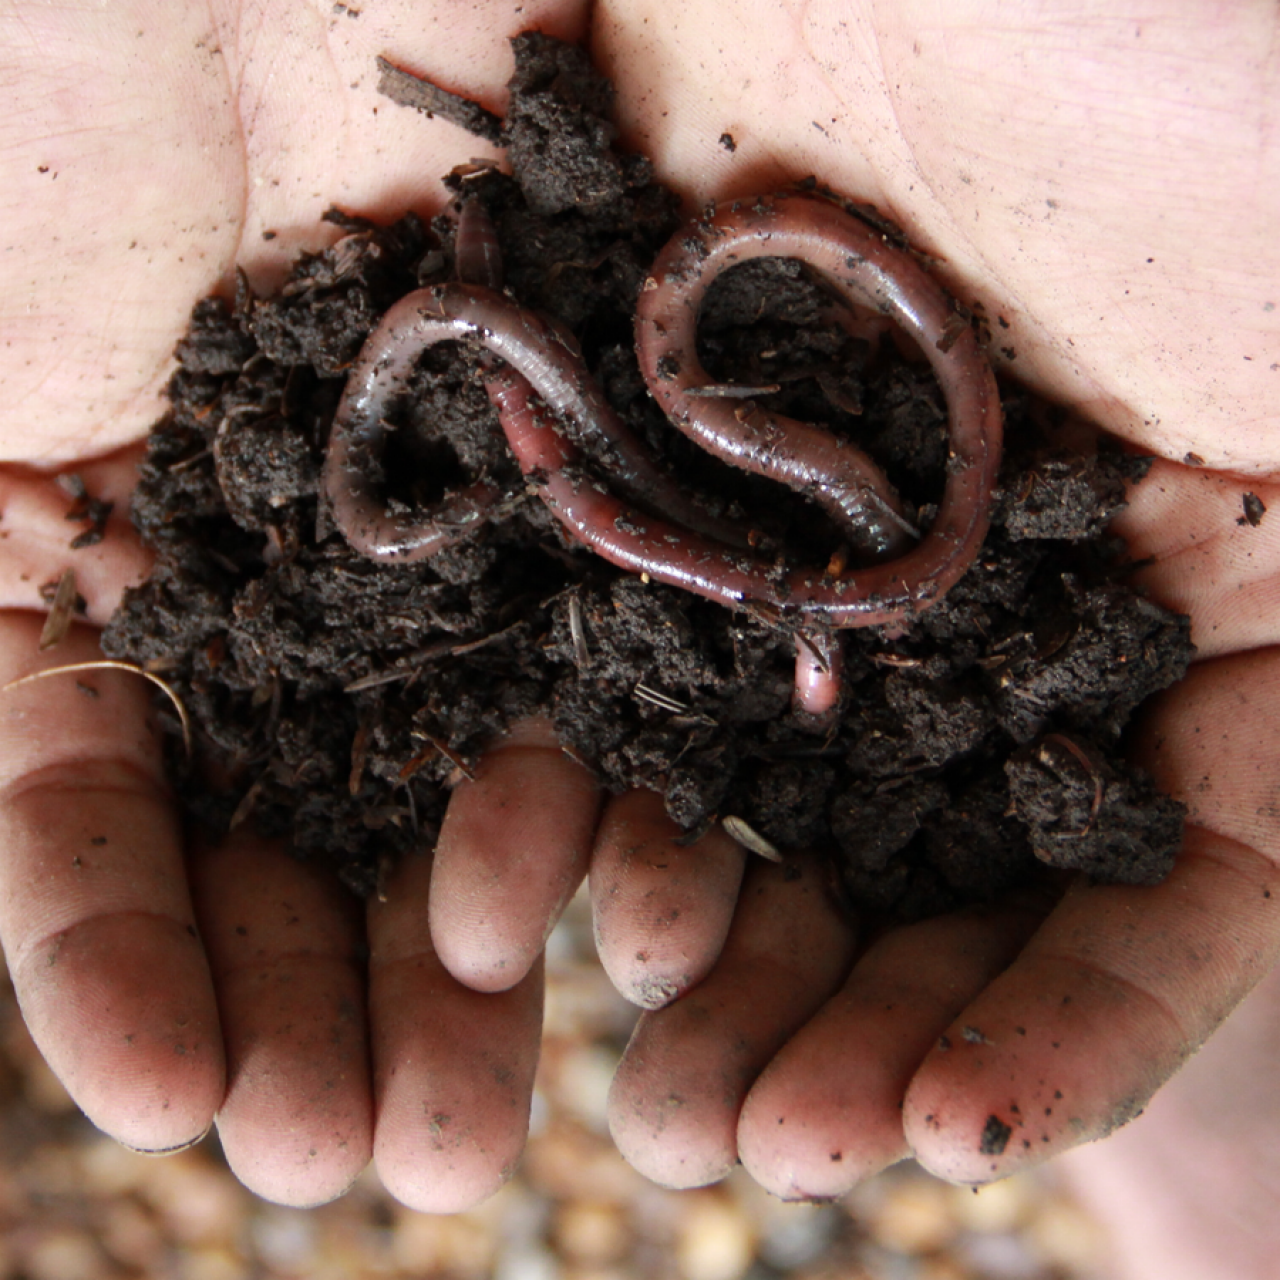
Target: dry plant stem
109, 664
61, 612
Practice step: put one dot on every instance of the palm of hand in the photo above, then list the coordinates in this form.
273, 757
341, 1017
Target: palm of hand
1077, 226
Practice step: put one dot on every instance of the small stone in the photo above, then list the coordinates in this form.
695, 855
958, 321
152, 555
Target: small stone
63, 1254
915, 1217
714, 1239
1001, 1206
592, 1233
1064, 1237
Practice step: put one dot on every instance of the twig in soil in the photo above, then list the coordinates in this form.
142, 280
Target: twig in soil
734, 391
578, 633
387, 677
897, 660
438, 649
359, 757
438, 748
470, 646
1091, 770
110, 664
660, 699
185, 464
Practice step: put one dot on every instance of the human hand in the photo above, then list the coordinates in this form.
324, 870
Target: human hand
1036, 163
147, 156
268, 184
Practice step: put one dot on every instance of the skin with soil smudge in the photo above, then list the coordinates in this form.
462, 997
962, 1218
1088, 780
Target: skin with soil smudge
336, 699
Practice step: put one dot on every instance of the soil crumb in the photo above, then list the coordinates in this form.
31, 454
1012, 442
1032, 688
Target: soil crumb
336, 701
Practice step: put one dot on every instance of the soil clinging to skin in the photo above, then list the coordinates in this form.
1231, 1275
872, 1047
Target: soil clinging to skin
336, 701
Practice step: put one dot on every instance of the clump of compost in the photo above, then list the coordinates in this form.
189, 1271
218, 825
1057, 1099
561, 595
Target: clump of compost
336, 700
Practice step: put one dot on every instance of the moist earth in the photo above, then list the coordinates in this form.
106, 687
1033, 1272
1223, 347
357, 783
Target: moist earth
335, 701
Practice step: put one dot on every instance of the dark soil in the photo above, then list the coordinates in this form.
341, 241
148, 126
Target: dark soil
336, 700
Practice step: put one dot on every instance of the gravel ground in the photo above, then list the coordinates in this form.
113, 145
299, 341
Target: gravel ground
75, 1206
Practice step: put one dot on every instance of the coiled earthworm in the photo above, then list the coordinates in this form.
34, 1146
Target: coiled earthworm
676, 541
535, 348
857, 262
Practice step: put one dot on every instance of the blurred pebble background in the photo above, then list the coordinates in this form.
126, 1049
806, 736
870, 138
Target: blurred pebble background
75, 1206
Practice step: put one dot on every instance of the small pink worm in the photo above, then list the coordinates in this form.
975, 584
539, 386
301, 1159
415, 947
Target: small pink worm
819, 674
477, 255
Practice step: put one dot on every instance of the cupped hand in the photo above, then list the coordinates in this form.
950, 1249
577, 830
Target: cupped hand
1035, 164
1105, 189
149, 152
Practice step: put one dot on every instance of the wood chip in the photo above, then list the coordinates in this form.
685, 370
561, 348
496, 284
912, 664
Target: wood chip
750, 839
61, 612
581, 654
359, 755
406, 89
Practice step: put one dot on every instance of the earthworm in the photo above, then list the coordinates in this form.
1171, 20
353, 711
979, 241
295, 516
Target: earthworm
358, 434
676, 541
855, 261
538, 350
863, 268
819, 671
477, 255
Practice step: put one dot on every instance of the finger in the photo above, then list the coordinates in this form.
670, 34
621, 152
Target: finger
827, 1112
95, 916
453, 1067
283, 944
661, 909
1122, 984
512, 850
673, 1107
1200, 554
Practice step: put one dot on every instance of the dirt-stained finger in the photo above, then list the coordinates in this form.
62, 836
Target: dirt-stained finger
1112, 995
673, 1108
95, 915
827, 1111
661, 909
1121, 984
453, 1067
513, 848
284, 944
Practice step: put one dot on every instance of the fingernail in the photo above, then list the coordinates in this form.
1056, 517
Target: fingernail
167, 1151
